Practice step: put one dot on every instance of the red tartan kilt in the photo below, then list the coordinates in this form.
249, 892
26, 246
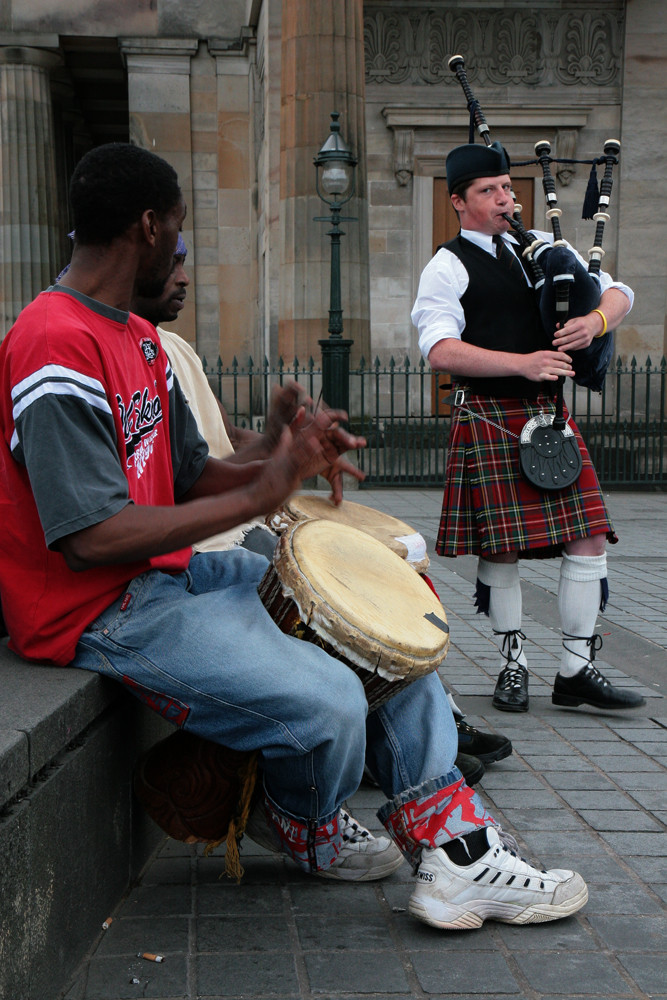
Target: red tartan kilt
488, 507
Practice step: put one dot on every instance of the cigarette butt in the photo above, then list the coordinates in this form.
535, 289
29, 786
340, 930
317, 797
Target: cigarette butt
107, 923
150, 957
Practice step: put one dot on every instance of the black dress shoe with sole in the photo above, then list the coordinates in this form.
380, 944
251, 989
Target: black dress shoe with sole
590, 687
511, 693
487, 747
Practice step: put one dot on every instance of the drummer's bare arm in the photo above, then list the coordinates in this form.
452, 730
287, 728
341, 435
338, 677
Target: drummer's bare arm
579, 331
461, 360
222, 498
138, 532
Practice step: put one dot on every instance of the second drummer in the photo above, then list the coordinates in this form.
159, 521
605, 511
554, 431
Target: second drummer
478, 320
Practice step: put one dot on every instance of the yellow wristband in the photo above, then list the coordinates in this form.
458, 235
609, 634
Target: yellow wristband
604, 324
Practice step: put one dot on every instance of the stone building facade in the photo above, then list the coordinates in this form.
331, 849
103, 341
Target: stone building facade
238, 97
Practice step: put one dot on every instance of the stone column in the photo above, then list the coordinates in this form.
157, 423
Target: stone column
233, 282
642, 249
28, 189
158, 86
322, 70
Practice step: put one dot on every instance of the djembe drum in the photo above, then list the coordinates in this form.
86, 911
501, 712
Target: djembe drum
339, 587
391, 531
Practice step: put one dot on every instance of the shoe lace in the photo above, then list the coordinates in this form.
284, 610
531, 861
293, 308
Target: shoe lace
351, 830
511, 642
509, 844
594, 643
594, 674
511, 678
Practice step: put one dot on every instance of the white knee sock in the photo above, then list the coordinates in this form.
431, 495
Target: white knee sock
579, 594
504, 606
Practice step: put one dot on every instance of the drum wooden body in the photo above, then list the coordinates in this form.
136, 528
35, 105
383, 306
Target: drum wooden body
394, 533
343, 589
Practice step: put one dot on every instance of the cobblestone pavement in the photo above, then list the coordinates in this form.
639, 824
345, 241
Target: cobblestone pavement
581, 789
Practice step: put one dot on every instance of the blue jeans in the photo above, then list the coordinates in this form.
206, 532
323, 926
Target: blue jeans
201, 649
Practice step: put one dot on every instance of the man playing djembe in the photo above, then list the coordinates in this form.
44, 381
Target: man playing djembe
106, 484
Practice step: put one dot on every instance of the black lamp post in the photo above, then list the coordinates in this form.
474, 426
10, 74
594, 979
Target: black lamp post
334, 166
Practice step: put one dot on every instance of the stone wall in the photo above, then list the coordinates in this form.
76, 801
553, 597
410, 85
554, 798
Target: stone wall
238, 96
642, 247
72, 835
547, 71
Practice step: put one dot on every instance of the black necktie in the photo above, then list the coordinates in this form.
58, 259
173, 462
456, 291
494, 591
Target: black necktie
506, 256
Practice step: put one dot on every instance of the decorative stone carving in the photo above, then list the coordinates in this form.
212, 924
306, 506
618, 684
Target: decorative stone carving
404, 147
586, 51
517, 55
577, 45
566, 149
386, 50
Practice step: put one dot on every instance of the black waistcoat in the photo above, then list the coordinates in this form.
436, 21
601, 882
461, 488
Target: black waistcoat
501, 314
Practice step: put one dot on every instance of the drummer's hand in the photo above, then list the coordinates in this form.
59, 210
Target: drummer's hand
334, 441
283, 472
334, 475
545, 366
578, 332
288, 404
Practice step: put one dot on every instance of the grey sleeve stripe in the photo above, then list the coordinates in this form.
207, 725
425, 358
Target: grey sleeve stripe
56, 388
59, 389
56, 373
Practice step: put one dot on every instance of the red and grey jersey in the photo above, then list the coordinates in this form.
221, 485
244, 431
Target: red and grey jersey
92, 419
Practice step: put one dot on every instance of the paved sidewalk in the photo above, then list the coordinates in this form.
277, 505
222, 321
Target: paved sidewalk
582, 789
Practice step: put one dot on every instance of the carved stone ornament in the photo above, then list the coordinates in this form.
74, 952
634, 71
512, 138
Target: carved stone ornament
404, 146
566, 148
579, 45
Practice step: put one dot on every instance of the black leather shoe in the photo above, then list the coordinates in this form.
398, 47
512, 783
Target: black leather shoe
590, 687
511, 694
471, 768
487, 747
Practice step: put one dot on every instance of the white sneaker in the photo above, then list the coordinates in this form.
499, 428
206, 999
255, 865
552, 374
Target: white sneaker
500, 886
362, 857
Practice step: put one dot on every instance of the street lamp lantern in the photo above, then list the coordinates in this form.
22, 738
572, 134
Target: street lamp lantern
334, 180
335, 167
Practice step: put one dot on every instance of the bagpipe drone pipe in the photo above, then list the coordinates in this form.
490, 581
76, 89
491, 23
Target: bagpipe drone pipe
565, 288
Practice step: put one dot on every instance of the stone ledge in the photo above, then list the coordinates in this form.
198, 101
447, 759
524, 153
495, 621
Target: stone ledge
43, 709
72, 836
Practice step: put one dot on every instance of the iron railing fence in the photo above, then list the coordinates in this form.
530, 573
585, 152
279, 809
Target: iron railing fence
398, 408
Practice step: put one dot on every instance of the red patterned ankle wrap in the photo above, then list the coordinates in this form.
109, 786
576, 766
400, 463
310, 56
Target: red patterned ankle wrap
436, 818
314, 848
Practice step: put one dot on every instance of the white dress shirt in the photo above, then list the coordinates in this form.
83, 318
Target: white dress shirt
437, 312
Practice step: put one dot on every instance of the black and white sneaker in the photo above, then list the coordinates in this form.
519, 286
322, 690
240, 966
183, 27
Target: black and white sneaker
500, 885
362, 857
